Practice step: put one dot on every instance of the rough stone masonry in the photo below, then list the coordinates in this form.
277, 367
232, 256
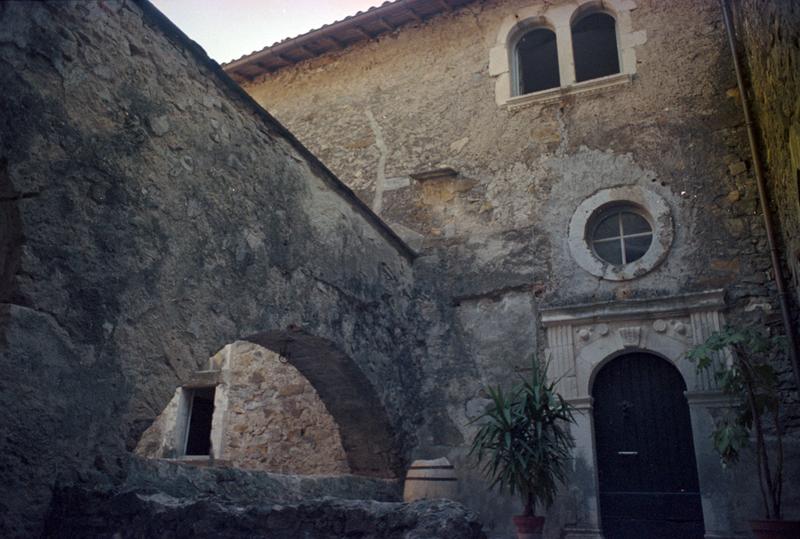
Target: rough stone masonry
494, 234
152, 213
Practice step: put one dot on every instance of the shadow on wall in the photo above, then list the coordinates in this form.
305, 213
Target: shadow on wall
282, 401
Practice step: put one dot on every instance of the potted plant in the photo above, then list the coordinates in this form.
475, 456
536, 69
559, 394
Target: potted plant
524, 442
751, 381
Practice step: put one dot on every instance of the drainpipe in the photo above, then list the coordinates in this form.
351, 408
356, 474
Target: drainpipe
780, 283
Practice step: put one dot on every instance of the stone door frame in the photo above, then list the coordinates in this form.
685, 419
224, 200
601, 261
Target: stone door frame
583, 338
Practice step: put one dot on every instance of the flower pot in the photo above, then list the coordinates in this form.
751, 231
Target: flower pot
528, 527
775, 529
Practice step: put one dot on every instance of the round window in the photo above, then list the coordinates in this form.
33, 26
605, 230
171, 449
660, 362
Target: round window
620, 235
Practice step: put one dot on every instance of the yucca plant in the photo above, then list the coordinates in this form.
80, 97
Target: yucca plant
524, 442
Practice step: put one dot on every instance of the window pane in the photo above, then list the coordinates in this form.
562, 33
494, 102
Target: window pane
610, 251
594, 43
635, 248
633, 223
538, 61
607, 228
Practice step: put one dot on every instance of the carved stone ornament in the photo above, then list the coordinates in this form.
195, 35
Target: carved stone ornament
630, 336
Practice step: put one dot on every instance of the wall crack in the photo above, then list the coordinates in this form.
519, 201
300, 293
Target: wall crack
380, 178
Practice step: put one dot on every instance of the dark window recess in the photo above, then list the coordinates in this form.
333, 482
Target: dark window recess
537, 61
594, 43
198, 439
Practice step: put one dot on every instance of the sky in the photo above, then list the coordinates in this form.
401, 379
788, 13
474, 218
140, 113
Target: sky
228, 29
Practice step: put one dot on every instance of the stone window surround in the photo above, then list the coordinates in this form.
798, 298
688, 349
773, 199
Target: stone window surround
653, 207
559, 18
202, 380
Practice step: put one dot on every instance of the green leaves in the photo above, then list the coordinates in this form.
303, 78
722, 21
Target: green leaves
740, 361
523, 442
729, 439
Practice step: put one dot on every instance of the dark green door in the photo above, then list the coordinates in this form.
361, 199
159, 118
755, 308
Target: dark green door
645, 455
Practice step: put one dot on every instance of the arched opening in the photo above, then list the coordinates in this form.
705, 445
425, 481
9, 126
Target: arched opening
366, 432
279, 401
594, 46
536, 61
647, 473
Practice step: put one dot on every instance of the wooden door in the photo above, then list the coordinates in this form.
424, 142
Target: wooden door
645, 454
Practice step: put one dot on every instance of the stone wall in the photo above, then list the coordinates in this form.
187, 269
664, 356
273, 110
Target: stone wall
276, 420
269, 417
769, 33
494, 238
151, 214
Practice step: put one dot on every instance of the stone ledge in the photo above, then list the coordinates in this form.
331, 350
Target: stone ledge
644, 309
589, 87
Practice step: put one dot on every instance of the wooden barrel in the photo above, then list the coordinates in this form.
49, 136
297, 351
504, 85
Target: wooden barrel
429, 480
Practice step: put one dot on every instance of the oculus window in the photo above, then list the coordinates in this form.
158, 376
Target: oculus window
594, 45
537, 61
620, 235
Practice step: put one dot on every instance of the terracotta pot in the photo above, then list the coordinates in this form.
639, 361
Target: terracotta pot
528, 527
775, 529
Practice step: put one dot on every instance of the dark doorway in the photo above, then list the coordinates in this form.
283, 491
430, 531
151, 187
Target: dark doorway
198, 439
645, 454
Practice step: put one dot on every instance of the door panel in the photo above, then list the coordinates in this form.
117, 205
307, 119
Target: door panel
645, 454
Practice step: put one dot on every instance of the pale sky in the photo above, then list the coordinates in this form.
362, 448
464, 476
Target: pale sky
228, 29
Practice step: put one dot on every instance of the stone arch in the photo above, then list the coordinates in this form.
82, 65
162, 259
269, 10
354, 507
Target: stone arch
364, 426
594, 6
595, 355
599, 366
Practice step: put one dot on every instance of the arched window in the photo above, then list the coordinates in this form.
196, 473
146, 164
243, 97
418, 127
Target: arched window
594, 43
536, 61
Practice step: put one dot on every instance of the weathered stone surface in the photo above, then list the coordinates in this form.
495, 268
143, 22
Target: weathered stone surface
134, 248
770, 33
251, 486
151, 214
493, 240
267, 417
155, 514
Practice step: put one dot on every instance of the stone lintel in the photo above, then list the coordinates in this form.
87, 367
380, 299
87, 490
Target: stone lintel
708, 398
201, 379
640, 309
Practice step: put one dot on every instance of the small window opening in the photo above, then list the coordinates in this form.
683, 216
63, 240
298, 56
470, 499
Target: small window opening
621, 235
201, 411
594, 44
537, 61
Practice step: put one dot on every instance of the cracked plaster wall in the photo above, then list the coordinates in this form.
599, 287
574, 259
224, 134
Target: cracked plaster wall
493, 239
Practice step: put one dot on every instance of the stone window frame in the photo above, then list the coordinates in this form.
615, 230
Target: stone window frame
650, 205
502, 56
207, 379
518, 32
